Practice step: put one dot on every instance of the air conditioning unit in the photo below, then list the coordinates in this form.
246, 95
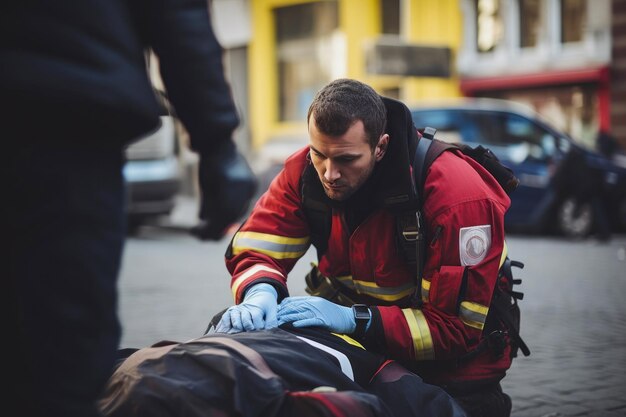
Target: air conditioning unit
395, 57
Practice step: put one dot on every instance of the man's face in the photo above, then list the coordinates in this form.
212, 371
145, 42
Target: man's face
344, 163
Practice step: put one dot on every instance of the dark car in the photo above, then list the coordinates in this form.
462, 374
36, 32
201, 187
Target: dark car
534, 150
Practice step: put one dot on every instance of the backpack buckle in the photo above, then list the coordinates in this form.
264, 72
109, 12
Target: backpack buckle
410, 228
410, 235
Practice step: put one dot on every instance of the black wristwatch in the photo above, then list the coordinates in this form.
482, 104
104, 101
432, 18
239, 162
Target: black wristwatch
362, 316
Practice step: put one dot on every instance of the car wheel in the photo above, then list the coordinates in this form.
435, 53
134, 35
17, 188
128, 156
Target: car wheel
574, 219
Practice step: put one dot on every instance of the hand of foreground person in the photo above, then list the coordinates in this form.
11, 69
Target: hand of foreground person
227, 185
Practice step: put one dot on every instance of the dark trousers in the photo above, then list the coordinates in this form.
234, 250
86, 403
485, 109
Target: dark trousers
64, 222
600, 217
488, 401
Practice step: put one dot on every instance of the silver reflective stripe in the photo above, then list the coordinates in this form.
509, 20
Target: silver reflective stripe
279, 247
344, 362
473, 314
270, 246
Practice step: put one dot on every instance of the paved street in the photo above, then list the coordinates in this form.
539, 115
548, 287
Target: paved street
573, 313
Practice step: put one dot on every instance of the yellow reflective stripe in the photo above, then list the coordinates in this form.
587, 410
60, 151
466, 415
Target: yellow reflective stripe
349, 340
365, 284
248, 273
346, 280
505, 252
473, 314
420, 333
425, 290
374, 290
383, 293
278, 247
394, 297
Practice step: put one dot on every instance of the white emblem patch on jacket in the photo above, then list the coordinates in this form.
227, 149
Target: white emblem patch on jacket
474, 243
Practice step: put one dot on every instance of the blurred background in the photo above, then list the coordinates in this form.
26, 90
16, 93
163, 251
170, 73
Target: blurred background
557, 67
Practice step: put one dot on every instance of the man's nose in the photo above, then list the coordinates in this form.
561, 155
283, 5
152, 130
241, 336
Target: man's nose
332, 173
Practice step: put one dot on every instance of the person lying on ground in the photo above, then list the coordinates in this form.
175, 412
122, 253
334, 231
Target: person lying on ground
276, 372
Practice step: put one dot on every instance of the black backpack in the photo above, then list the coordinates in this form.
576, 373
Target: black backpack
403, 198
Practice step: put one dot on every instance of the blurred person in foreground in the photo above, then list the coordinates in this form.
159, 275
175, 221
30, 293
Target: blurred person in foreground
581, 178
439, 324
76, 91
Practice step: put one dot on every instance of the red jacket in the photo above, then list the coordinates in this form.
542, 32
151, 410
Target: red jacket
464, 212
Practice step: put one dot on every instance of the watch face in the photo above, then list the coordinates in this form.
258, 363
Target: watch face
361, 312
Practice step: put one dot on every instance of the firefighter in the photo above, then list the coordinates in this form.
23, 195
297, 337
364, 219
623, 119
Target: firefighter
350, 165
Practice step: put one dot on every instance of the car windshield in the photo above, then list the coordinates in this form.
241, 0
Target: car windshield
510, 136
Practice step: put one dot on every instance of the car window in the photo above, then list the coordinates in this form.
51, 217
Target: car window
452, 125
510, 136
439, 119
456, 125
541, 144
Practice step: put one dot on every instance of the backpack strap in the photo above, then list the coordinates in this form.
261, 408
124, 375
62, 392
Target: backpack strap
409, 224
428, 149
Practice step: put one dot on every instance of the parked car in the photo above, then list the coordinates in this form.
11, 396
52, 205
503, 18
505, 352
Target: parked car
153, 174
534, 149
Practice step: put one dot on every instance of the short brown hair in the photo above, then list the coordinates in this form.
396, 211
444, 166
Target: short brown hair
342, 102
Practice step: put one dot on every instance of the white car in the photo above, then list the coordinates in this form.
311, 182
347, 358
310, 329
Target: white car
153, 174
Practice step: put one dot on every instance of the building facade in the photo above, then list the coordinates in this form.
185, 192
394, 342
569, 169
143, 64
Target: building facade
403, 48
618, 71
565, 58
554, 55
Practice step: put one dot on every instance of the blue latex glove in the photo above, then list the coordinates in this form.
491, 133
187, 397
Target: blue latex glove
257, 311
312, 311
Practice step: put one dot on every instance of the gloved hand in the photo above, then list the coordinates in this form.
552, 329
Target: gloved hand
311, 311
257, 311
227, 185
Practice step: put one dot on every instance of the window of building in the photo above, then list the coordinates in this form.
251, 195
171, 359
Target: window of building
489, 25
304, 39
573, 20
390, 17
530, 22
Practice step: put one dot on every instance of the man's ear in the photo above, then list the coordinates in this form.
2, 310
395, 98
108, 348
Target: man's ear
381, 148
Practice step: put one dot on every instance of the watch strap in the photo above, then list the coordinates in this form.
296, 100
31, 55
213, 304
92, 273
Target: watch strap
362, 316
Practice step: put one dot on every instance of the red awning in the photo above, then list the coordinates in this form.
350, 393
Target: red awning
471, 86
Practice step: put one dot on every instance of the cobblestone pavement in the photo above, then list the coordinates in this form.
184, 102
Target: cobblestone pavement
573, 312
573, 318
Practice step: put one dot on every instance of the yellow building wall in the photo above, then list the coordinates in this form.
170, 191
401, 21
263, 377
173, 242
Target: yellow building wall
425, 21
437, 23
